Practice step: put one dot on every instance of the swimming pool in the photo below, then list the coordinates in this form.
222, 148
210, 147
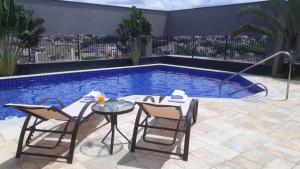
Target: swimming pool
142, 80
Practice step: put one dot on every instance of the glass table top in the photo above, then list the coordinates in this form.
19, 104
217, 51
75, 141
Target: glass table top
113, 107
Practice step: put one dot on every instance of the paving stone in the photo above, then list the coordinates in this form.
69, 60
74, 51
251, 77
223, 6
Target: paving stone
275, 116
7, 151
172, 166
292, 144
228, 165
297, 166
259, 156
280, 164
11, 163
74, 166
219, 124
131, 165
244, 162
209, 157
260, 126
291, 127
1, 138
282, 152
197, 143
247, 140
11, 133
224, 152
153, 161
193, 162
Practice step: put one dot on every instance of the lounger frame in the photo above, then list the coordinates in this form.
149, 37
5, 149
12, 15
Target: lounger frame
33, 128
189, 120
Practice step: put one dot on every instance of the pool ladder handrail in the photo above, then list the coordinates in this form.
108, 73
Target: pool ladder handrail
249, 86
290, 57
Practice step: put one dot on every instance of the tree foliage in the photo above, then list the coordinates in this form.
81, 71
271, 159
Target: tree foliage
29, 29
8, 18
136, 27
8, 25
134, 32
16, 22
281, 26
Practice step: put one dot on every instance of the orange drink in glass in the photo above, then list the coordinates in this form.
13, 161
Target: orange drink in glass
101, 100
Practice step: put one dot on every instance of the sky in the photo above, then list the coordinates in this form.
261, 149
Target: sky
165, 4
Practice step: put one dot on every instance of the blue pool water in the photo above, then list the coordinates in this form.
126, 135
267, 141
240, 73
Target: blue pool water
147, 80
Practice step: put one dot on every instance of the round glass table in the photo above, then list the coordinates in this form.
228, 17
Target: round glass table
113, 108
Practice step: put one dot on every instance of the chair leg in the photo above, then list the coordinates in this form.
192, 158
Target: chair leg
32, 130
135, 130
74, 132
72, 147
195, 113
72, 144
21, 138
187, 135
186, 143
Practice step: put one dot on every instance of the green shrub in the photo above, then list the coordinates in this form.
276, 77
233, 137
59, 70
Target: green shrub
135, 53
8, 59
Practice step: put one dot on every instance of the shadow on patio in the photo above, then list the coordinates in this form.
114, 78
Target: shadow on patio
50, 139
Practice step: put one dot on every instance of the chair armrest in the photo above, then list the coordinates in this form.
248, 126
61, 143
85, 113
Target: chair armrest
54, 99
161, 98
82, 111
190, 112
147, 98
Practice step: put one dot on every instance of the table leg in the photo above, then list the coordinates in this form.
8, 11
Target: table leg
113, 122
106, 136
122, 134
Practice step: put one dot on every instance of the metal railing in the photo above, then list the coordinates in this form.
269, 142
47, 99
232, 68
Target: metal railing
240, 48
57, 48
290, 57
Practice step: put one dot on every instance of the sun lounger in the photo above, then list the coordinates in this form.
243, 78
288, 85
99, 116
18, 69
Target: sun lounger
179, 112
77, 112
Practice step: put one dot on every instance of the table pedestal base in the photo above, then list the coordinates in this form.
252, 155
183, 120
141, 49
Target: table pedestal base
114, 125
95, 148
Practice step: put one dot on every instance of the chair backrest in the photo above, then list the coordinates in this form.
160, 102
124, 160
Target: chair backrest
41, 111
161, 110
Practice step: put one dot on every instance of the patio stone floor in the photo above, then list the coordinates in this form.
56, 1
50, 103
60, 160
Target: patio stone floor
250, 133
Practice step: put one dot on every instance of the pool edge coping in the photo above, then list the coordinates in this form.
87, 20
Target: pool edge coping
111, 68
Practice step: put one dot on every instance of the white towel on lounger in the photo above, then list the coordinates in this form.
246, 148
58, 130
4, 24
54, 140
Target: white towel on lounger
93, 95
183, 100
178, 94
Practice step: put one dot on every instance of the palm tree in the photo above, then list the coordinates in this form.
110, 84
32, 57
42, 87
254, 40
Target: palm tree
135, 32
281, 26
16, 22
8, 18
30, 29
8, 25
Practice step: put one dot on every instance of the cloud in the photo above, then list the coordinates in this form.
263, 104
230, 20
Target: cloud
165, 4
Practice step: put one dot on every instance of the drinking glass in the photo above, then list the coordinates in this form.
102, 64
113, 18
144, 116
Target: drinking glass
101, 100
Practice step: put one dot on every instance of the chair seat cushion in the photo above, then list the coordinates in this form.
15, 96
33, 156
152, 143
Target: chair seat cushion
184, 106
42, 111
